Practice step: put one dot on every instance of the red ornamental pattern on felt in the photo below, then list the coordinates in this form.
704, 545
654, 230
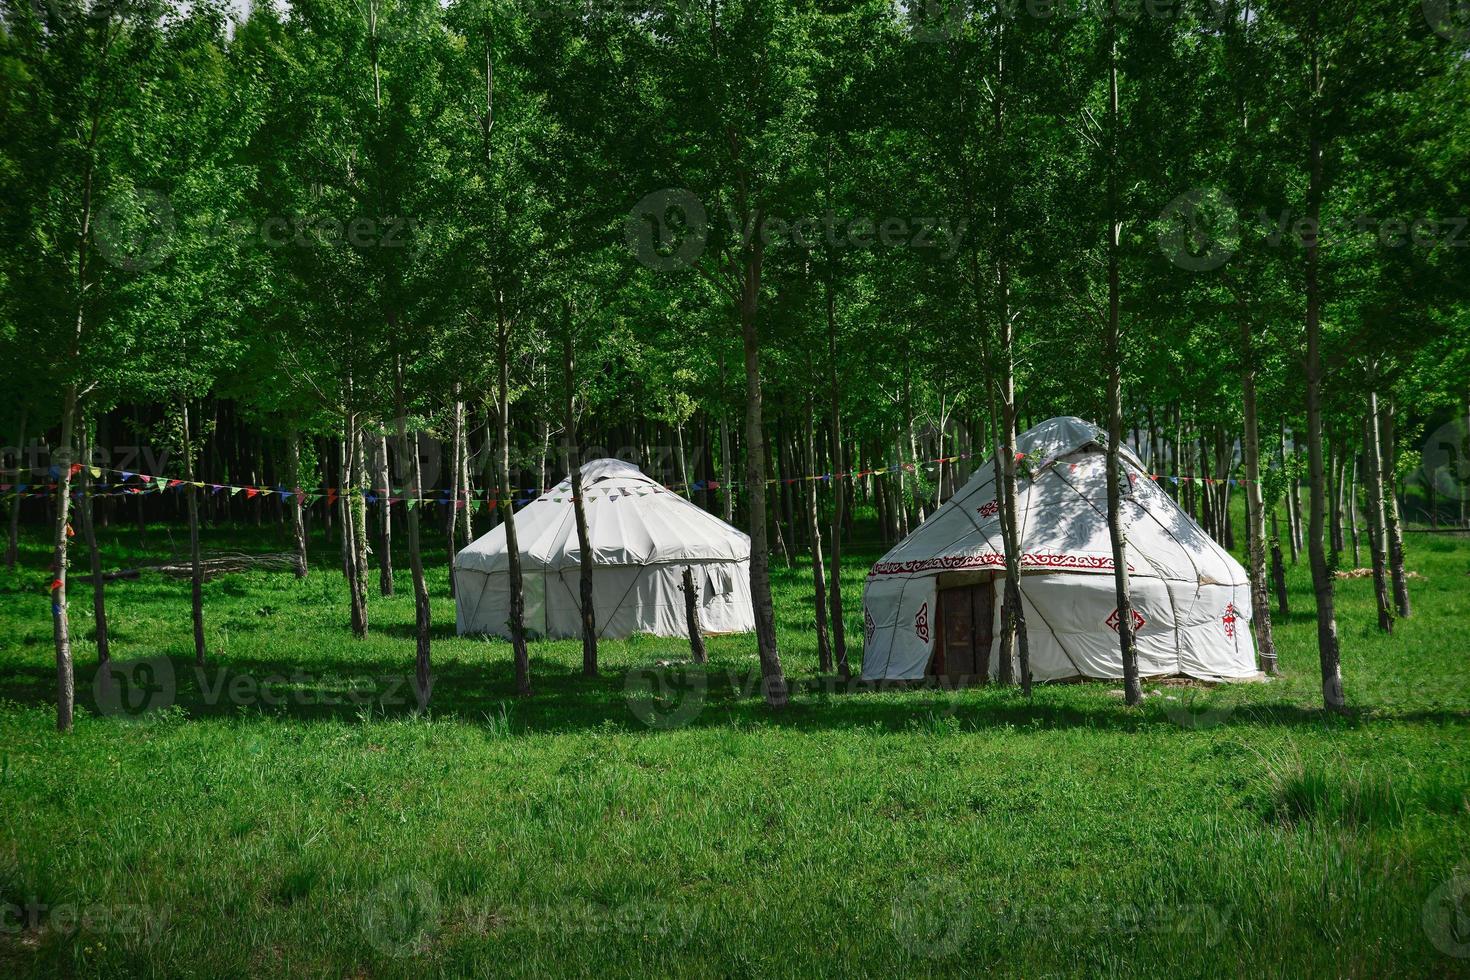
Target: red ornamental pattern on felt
1134, 615
1228, 620
921, 623
990, 509
992, 559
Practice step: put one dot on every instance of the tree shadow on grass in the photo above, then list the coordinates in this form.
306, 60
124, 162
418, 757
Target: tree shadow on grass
640, 699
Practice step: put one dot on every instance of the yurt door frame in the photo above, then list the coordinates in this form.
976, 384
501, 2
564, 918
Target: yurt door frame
966, 615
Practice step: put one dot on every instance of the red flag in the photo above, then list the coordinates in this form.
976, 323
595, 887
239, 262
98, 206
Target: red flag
250, 492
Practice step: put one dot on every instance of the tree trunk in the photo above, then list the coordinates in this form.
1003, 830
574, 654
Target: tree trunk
727, 482
99, 602
772, 679
1329, 656
456, 446
1278, 570
512, 546
574, 470
358, 503
298, 517
1395, 530
691, 618
408, 452
347, 513
1255, 506
12, 548
1376, 544
1132, 691
1293, 511
61, 625
814, 541
196, 573
834, 435
1353, 512
383, 485
466, 485
775, 516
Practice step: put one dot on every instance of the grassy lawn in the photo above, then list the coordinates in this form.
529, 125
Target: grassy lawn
275, 819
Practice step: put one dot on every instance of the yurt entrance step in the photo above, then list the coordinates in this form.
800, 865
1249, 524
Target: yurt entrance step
966, 614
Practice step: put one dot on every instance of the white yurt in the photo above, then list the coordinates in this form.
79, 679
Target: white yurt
642, 535
932, 605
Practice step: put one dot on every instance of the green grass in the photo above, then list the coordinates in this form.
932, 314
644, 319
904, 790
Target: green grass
1219, 832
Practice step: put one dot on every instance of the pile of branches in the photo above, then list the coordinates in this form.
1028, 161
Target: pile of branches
214, 563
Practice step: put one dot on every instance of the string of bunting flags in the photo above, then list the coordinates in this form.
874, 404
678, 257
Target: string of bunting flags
131, 483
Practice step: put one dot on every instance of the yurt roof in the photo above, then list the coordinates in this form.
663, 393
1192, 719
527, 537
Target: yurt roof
1062, 503
631, 520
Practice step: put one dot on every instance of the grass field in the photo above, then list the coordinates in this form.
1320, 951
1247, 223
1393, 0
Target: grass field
274, 820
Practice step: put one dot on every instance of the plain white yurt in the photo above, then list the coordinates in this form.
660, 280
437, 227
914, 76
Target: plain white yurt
932, 605
642, 536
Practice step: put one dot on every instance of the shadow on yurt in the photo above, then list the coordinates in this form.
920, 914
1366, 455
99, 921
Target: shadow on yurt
642, 537
931, 606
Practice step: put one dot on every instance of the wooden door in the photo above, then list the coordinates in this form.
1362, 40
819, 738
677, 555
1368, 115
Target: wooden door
965, 614
957, 625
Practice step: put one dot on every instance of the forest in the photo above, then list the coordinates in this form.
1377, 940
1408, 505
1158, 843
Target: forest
332, 289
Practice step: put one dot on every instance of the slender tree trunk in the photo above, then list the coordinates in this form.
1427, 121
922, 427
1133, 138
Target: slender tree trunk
1377, 547
99, 600
1293, 516
691, 618
1255, 506
574, 470
1337, 467
1395, 530
358, 503
512, 545
1278, 570
1009, 517
772, 678
814, 541
837, 460
12, 548
1353, 512
408, 453
1132, 691
1328, 652
385, 516
196, 574
456, 447
466, 485
347, 512
727, 481
61, 624
298, 517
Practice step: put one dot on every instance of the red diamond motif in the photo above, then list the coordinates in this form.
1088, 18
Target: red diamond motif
1137, 617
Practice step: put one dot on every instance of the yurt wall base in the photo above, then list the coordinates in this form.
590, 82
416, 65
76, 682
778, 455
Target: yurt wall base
626, 600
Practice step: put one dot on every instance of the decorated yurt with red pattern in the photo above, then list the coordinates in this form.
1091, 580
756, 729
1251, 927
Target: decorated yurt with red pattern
931, 606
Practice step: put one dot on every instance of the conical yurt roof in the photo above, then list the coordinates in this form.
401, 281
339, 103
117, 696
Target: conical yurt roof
631, 520
1062, 506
